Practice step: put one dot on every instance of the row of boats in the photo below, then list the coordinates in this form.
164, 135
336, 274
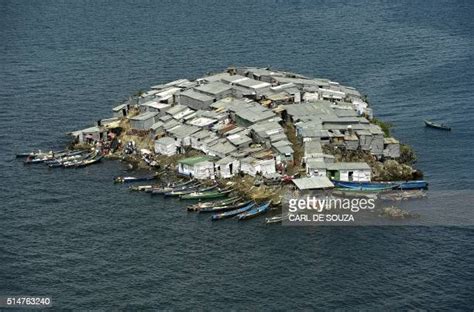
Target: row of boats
62, 159
236, 207
213, 199
190, 189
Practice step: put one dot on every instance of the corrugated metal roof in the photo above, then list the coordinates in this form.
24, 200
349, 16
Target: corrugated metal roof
251, 83
195, 160
144, 116
176, 109
284, 149
183, 131
201, 134
165, 141
119, 107
197, 95
156, 105
171, 124
349, 166
313, 183
224, 148
282, 143
311, 147
157, 125
254, 115
225, 160
316, 164
213, 88
238, 139
375, 129
202, 121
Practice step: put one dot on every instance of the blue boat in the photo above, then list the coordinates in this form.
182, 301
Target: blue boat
232, 213
366, 186
413, 185
254, 212
381, 186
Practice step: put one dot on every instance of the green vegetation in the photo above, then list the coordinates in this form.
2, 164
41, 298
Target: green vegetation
384, 125
407, 155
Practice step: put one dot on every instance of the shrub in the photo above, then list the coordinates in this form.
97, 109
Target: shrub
385, 126
407, 155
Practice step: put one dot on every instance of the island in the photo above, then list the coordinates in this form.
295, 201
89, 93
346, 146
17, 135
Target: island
259, 132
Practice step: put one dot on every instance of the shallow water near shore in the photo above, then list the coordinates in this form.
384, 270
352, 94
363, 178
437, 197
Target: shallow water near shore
90, 244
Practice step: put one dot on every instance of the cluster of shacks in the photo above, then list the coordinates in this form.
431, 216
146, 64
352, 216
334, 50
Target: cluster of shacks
237, 119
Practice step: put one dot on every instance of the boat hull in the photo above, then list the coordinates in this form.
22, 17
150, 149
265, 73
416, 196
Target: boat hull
365, 186
225, 207
434, 125
254, 212
232, 213
205, 195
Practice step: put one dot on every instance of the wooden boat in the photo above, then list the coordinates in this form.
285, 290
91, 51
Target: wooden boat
381, 186
133, 179
140, 188
60, 161
363, 190
24, 155
165, 189
252, 213
276, 219
38, 159
56, 165
232, 213
190, 190
215, 203
66, 157
38, 154
206, 195
365, 186
161, 189
89, 162
435, 125
225, 207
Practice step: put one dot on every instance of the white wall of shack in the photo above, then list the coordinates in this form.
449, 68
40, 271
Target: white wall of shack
194, 103
202, 170
142, 124
265, 166
165, 149
248, 168
224, 172
357, 175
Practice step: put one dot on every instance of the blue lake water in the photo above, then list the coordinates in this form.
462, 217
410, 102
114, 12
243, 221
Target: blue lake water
73, 235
